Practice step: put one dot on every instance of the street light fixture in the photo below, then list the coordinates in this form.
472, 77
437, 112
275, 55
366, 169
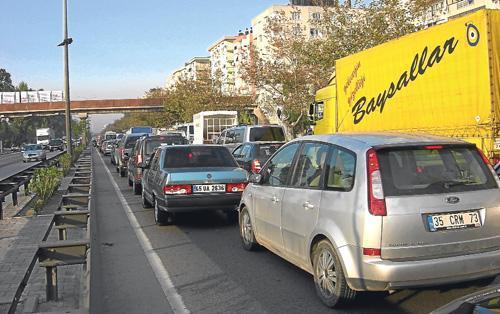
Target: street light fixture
65, 43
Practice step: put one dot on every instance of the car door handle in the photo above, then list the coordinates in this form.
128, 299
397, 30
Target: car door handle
307, 205
275, 200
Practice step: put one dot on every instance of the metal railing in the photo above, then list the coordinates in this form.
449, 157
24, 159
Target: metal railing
11, 184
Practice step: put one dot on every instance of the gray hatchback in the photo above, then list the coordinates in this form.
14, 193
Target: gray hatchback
376, 212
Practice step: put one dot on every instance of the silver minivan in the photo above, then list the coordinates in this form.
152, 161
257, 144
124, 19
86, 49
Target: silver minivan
374, 212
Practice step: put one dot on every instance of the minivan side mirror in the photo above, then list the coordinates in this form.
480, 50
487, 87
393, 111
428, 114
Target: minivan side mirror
256, 178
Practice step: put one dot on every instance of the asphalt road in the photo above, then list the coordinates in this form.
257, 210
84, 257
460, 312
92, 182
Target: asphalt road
13, 163
208, 268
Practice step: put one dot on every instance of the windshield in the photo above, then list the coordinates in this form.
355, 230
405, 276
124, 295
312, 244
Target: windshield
33, 147
265, 151
198, 156
55, 142
130, 141
110, 136
170, 140
436, 169
267, 134
43, 137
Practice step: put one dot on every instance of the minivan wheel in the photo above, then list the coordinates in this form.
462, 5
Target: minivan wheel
145, 202
329, 278
162, 217
246, 231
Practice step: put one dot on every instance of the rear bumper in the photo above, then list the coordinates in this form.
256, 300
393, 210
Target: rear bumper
201, 202
375, 274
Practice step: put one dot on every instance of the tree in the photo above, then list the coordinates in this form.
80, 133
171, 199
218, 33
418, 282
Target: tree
296, 66
5, 81
22, 87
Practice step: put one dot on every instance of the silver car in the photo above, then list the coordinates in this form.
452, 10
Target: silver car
34, 152
376, 212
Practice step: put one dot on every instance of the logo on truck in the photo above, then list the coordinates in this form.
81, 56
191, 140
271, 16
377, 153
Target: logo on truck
421, 62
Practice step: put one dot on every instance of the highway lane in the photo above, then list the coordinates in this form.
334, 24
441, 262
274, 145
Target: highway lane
13, 163
212, 273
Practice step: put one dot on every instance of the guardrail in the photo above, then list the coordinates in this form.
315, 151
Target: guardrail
72, 212
11, 184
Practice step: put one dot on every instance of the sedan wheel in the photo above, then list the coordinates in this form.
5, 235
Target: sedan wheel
145, 202
246, 231
329, 278
161, 217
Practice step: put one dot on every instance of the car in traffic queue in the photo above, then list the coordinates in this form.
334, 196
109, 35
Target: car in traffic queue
376, 212
497, 168
56, 144
187, 178
232, 137
122, 152
143, 149
34, 152
108, 147
252, 155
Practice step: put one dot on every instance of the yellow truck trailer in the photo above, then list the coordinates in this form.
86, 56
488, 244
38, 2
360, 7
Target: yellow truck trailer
444, 80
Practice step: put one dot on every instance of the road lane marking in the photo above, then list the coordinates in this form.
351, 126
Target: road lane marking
174, 298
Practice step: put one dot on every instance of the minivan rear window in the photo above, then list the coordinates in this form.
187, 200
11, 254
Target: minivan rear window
197, 156
268, 133
432, 170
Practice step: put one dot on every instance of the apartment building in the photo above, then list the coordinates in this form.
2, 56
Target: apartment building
195, 69
222, 63
243, 46
441, 11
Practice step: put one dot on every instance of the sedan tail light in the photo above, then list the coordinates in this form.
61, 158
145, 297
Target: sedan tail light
177, 189
256, 167
376, 199
235, 187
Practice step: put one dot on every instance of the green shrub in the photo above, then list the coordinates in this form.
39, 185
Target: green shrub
65, 163
44, 183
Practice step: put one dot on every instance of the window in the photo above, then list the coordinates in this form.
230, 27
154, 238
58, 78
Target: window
237, 151
297, 30
315, 33
198, 157
220, 139
267, 134
246, 151
230, 137
310, 165
341, 167
238, 135
278, 168
295, 16
316, 16
431, 170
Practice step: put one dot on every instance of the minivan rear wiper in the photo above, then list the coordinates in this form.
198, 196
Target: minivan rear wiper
449, 184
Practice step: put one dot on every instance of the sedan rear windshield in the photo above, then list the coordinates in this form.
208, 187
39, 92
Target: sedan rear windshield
170, 140
270, 133
433, 169
198, 156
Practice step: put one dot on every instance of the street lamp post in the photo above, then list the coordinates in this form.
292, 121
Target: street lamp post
66, 42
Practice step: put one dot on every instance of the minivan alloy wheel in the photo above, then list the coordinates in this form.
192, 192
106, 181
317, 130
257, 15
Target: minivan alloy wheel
246, 228
325, 270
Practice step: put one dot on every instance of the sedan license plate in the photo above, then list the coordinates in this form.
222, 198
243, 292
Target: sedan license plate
460, 220
209, 188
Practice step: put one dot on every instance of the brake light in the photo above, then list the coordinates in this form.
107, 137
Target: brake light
483, 157
256, 167
376, 200
122, 153
177, 189
372, 252
434, 147
235, 187
139, 159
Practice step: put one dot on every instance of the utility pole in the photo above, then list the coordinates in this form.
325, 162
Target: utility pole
66, 42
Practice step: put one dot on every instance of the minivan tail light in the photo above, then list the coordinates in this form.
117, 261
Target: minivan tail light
376, 200
139, 159
256, 167
177, 189
434, 147
372, 252
235, 187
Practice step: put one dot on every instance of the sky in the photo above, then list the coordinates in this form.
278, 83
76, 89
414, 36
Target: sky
120, 48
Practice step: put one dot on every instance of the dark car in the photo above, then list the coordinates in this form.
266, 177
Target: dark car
252, 156
192, 178
56, 144
143, 149
122, 152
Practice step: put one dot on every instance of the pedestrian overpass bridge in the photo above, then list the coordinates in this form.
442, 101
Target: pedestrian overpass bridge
81, 107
